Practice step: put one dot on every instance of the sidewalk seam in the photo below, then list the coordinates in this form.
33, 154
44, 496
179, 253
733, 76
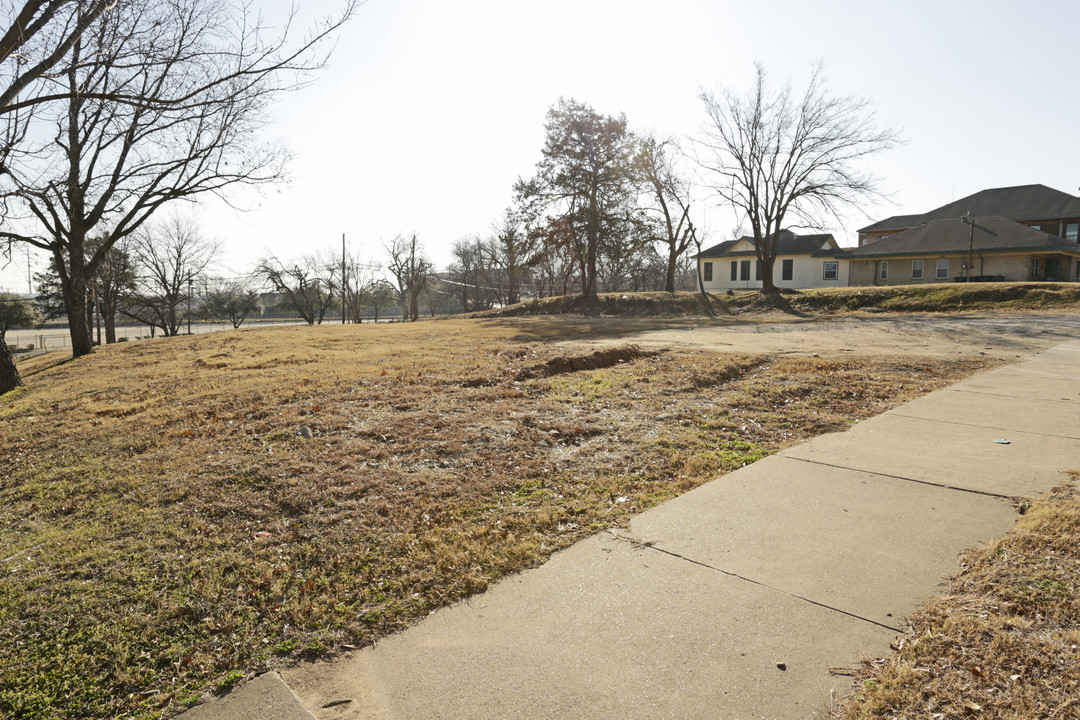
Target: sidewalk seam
646, 545
954, 388
894, 413
906, 479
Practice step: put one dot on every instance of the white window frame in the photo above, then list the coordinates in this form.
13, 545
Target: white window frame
916, 269
834, 270
939, 275
883, 270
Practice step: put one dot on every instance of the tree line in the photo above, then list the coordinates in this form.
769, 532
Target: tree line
114, 111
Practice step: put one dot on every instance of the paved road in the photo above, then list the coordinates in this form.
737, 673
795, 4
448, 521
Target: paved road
733, 600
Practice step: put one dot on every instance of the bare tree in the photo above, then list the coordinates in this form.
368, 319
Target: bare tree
153, 102
169, 257
670, 196
411, 270
776, 157
233, 301
473, 273
309, 286
37, 35
114, 279
380, 294
512, 251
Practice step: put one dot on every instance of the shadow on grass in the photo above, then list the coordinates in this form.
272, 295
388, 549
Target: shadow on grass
31, 366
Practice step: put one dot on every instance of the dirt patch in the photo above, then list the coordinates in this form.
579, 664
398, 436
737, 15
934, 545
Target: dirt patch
592, 361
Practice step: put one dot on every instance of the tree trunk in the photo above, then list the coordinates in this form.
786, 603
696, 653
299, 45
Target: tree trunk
414, 306
701, 287
9, 374
512, 293
77, 312
673, 261
767, 285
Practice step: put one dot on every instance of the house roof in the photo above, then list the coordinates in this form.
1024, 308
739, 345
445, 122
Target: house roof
992, 234
788, 244
1023, 203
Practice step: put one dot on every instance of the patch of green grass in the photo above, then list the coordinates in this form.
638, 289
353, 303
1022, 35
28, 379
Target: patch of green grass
231, 680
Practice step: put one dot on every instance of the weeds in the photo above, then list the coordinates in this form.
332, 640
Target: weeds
166, 523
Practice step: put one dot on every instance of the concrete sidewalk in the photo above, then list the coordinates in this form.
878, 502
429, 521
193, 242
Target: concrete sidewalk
736, 599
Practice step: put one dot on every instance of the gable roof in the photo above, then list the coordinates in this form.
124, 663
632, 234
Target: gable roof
1022, 203
788, 244
991, 235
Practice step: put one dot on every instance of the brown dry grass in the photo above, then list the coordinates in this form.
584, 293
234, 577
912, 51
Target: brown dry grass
166, 526
1001, 641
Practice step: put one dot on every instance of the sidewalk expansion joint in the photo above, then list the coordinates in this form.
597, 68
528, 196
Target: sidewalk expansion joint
943, 486
649, 546
1069, 401
896, 413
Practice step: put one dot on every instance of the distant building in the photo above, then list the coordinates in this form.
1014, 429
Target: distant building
802, 261
1028, 232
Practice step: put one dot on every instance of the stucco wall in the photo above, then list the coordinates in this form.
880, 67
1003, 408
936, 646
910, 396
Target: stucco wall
807, 272
1012, 267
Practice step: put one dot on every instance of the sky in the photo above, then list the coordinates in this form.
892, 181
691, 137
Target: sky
430, 110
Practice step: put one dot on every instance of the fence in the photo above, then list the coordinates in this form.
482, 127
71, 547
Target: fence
58, 337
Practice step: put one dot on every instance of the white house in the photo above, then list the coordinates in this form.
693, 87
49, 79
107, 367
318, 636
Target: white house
802, 261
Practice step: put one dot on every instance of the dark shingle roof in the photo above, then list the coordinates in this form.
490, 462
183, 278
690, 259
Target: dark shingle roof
992, 234
1023, 203
789, 244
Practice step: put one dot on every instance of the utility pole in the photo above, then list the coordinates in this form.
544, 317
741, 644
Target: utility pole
971, 243
29, 279
189, 305
342, 278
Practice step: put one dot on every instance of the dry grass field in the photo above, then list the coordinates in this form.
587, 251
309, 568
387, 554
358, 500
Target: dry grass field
177, 513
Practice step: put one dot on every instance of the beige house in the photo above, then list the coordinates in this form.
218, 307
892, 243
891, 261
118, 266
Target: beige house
802, 261
971, 249
1043, 208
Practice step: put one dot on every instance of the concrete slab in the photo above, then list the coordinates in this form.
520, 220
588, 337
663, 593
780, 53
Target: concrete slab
948, 454
603, 630
1002, 413
266, 697
789, 524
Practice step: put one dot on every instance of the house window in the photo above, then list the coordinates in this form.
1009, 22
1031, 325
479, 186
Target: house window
831, 270
787, 269
916, 269
706, 270
1072, 231
883, 270
757, 269
734, 270
942, 269
744, 270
